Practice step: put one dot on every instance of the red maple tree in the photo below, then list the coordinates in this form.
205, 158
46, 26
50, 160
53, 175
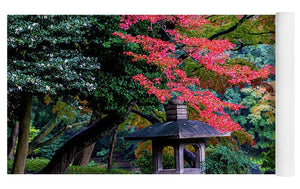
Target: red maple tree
211, 54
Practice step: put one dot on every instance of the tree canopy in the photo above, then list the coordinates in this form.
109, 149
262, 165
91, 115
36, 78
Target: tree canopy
209, 54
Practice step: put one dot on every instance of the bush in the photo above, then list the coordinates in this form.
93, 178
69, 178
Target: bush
92, 164
145, 162
223, 160
219, 160
31, 166
36, 165
268, 159
94, 170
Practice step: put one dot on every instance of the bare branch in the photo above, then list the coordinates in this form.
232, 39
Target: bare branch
209, 16
261, 33
150, 118
173, 41
61, 131
46, 129
246, 17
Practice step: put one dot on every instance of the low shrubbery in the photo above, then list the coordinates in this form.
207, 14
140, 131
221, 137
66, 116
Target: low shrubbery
36, 165
219, 160
31, 166
223, 160
268, 159
144, 163
94, 170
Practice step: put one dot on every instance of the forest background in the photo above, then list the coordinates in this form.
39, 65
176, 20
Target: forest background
65, 72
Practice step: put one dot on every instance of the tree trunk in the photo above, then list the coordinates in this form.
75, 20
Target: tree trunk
111, 150
67, 153
84, 156
23, 138
11, 144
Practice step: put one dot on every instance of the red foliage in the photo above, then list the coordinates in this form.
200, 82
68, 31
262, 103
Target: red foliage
210, 54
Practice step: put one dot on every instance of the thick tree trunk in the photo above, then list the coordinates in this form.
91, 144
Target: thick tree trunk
23, 138
11, 144
67, 153
84, 156
111, 150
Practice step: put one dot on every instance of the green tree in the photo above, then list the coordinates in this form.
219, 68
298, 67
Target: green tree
261, 115
65, 56
116, 91
43, 59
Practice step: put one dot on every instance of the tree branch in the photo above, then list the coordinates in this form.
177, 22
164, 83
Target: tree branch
173, 41
46, 130
37, 144
150, 118
49, 141
246, 17
61, 131
159, 116
209, 16
261, 33
65, 155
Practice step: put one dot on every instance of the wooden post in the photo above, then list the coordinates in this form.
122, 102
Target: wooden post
202, 157
156, 157
179, 158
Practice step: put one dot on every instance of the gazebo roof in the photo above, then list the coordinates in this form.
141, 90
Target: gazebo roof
180, 129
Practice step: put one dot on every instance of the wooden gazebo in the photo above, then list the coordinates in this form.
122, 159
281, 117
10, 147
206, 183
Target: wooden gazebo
177, 132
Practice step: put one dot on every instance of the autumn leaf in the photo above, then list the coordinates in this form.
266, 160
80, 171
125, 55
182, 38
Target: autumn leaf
47, 99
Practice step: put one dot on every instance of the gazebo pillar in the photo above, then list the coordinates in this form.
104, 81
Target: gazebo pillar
200, 156
156, 157
202, 152
179, 158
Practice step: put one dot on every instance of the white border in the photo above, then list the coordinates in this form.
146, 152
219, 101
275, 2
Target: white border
285, 94
143, 7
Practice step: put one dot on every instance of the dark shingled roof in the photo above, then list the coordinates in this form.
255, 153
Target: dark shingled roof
180, 129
